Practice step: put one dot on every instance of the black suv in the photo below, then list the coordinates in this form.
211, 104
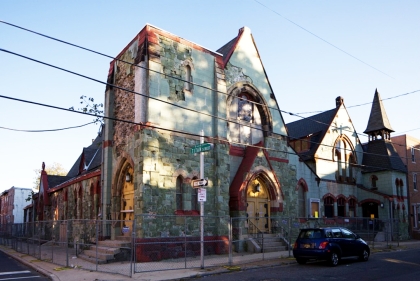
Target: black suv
329, 243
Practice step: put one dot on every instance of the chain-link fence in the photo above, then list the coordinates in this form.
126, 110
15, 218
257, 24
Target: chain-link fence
154, 243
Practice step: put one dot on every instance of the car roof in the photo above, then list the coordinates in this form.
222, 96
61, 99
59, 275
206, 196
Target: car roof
323, 228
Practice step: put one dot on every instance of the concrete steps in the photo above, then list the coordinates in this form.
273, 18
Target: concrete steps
267, 243
107, 251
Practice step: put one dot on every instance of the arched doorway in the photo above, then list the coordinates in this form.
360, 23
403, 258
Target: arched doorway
370, 209
127, 202
258, 207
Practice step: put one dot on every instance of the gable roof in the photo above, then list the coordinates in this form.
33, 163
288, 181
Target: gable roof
381, 155
314, 127
378, 120
89, 159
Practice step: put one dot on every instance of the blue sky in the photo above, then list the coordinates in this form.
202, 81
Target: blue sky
312, 51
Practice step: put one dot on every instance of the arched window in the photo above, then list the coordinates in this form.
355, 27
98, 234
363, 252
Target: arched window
194, 198
341, 207
301, 202
188, 78
179, 193
374, 179
352, 207
415, 181
329, 207
92, 201
344, 156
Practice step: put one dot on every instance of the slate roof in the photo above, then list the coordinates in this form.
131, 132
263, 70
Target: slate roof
378, 120
54, 180
381, 155
91, 157
315, 127
227, 47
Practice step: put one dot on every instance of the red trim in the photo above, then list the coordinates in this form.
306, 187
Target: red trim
187, 213
75, 180
236, 151
272, 170
237, 200
302, 183
282, 160
107, 143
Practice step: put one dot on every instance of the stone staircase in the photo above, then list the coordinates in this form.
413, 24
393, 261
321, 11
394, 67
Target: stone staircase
108, 251
267, 243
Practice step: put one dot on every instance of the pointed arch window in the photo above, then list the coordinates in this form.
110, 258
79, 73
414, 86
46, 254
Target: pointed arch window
344, 157
179, 193
301, 202
188, 78
329, 207
352, 207
341, 207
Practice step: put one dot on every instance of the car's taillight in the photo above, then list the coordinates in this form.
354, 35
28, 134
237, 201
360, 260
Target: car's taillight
295, 245
323, 245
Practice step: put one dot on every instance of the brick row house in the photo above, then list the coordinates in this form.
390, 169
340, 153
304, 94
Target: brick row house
408, 148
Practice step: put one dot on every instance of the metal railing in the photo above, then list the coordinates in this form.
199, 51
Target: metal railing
154, 242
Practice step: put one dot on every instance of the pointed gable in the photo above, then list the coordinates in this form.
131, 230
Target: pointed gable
243, 66
378, 120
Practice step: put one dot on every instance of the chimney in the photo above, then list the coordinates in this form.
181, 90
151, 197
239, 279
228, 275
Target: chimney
339, 101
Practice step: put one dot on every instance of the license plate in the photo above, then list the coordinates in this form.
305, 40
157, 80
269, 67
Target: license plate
307, 246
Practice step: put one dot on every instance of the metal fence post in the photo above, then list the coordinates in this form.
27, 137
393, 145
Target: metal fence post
185, 242
289, 231
133, 244
67, 243
230, 240
97, 244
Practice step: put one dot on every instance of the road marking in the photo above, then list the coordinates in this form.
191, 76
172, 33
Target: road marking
16, 278
15, 272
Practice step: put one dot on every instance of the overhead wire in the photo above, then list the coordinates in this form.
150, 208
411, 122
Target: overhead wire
172, 104
322, 39
170, 76
46, 130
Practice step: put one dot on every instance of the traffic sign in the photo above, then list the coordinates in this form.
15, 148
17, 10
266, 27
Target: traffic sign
202, 195
202, 147
199, 183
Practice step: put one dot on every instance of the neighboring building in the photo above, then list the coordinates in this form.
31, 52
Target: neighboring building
75, 196
384, 172
12, 202
408, 148
355, 180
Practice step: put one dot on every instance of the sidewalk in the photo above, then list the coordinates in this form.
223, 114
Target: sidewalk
59, 273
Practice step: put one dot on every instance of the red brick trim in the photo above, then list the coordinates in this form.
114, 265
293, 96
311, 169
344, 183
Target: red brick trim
107, 143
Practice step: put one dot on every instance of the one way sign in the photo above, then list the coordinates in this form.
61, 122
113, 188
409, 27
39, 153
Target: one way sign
199, 183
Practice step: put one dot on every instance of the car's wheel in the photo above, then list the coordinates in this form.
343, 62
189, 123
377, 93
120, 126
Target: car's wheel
301, 261
364, 256
334, 258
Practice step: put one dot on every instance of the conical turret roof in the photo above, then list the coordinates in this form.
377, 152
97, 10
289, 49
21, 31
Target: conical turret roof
378, 119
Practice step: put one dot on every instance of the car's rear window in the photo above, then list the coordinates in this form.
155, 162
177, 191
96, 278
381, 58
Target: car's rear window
311, 234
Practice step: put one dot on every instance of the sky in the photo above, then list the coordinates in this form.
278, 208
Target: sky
312, 51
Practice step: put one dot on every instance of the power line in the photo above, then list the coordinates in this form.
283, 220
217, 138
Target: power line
189, 134
48, 130
325, 41
366, 103
178, 78
127, 90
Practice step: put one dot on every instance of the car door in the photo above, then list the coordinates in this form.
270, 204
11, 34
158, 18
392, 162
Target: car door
349, 242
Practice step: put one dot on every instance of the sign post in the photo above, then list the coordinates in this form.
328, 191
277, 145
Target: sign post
202, 195
202, 203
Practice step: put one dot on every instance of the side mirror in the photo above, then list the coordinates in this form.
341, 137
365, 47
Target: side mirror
357, 236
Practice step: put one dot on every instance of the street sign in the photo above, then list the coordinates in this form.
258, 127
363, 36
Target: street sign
202, 147
199, 183
202, 195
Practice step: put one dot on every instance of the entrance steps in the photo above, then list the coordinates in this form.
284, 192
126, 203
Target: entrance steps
108, 251
266, 243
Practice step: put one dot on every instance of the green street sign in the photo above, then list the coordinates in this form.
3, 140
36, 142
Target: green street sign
202, 147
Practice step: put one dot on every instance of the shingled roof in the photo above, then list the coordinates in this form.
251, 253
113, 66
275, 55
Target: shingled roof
90, 158
315, 127
381, 155
378, 120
